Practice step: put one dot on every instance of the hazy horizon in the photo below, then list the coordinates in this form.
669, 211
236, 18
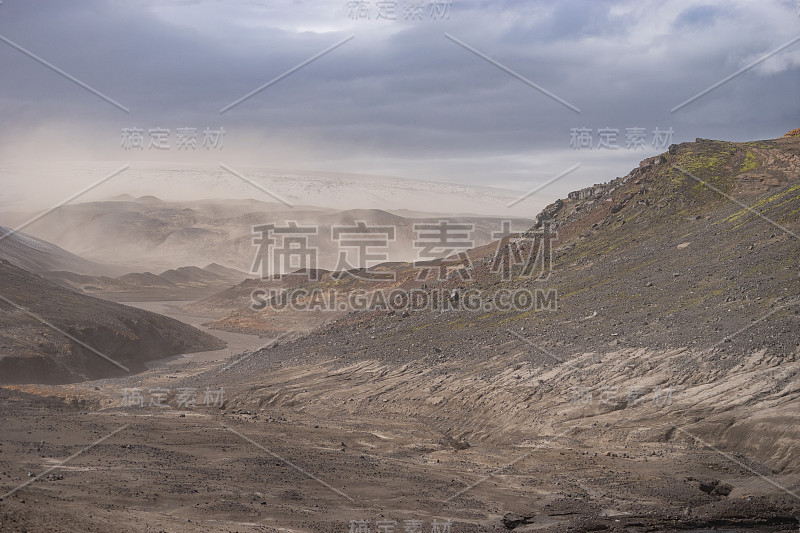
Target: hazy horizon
353, 88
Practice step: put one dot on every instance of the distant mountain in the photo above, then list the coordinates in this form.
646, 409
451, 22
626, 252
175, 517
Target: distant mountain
224, 272
145, 279
184, 283
191, 275
36, 255
74, 272
33, 352
148, 234
149, 199
330, 190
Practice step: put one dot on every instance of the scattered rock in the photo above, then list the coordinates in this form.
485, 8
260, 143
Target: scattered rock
714, 487
722, 489
514, 520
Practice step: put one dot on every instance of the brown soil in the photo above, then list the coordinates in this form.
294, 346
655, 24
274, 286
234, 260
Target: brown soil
558, 416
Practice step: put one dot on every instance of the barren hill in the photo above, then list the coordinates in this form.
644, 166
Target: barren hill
96, 338
678, 306
661, 393
691, 241
183, 283
36, 255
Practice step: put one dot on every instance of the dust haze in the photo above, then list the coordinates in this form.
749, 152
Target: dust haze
377, 266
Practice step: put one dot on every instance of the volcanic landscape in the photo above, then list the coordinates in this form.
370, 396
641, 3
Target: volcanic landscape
655, 388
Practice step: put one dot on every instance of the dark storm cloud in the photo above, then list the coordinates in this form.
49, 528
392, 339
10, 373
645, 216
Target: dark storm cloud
400, 95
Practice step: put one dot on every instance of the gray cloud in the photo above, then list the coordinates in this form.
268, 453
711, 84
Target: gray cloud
399, 98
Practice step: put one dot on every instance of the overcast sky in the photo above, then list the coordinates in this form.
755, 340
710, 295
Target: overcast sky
400, 98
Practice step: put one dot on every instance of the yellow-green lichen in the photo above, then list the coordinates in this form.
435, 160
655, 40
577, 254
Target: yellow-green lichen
750, 162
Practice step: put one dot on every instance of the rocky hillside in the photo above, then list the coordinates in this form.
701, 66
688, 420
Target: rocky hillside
680, 276
33, 352
668, 255
37, 255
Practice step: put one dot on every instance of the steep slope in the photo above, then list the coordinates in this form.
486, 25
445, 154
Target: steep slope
681, 276
36, 255
94, 331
